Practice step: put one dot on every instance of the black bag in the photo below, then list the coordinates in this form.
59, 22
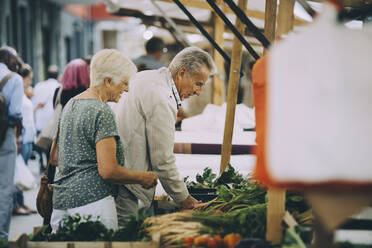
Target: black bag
3, 109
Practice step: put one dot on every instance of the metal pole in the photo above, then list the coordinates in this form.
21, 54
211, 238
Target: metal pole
242, 16
233, 29
203, 31
307, 7
177, 31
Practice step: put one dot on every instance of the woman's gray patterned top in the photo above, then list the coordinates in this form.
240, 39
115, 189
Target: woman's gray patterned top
83, 123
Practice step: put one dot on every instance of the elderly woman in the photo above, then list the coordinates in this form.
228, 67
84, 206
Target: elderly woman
90, 153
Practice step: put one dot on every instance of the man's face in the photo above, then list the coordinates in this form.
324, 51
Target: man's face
191, 85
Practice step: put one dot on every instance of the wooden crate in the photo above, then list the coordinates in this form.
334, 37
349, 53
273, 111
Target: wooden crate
22, 241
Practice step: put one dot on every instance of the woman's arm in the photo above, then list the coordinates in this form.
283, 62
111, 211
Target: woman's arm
110, 170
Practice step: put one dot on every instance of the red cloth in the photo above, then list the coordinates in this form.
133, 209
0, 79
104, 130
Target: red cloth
76, 75
259, 81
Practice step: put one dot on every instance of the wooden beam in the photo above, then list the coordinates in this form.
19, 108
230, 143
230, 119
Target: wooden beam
252, 43
250, 13
151, 19
218, 82
232, 94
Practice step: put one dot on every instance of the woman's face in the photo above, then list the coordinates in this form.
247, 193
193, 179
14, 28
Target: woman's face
117, 90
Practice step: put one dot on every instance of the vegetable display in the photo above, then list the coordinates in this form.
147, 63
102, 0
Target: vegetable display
236, 217
78, 228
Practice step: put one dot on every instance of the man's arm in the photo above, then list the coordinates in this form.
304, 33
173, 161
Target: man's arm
160, 137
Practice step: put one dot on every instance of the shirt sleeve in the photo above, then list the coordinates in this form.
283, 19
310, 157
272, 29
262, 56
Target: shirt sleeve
160, 137
105, 124
16, 99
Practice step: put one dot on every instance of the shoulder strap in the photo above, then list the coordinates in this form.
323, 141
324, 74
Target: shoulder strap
52, 150
5, 80
58, 98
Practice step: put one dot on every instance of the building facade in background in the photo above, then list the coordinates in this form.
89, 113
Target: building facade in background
44, 32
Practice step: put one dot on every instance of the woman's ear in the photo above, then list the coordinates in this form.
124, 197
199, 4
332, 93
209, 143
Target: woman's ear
107, 82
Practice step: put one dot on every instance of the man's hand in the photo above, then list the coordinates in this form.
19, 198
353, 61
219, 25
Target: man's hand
189, 202
18, 129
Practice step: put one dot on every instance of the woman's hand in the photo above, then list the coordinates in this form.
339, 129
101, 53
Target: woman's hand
149, 180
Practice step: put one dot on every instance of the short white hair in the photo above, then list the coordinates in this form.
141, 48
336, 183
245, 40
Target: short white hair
192, 58
110, 63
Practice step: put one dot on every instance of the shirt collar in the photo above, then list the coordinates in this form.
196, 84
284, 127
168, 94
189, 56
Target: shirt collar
174, 89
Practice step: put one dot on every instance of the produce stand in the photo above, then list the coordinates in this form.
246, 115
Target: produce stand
225, 206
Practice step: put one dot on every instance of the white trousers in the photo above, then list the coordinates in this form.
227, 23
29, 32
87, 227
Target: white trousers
105, 209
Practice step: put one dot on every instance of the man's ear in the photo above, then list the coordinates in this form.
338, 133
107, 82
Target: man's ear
182, 71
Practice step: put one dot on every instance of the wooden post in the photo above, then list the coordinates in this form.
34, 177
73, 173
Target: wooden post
218, 82
285, 16
276, 197
275, 214
232, 93
270, 20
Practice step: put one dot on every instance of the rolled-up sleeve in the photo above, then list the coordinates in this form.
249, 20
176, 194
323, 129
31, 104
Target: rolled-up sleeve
160, 138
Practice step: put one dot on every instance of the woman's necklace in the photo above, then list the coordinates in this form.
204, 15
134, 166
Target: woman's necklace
95, 93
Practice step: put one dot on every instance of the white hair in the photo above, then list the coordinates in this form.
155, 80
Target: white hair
192, 58
110, 63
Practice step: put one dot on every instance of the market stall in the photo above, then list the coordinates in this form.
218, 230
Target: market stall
245, 210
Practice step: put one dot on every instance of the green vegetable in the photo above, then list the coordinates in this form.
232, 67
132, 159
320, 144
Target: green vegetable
210, 180
292, 239
77, 228
249, 221
133, 230
295, 202
229, 176
3, 243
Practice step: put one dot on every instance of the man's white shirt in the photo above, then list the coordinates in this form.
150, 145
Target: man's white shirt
43, 93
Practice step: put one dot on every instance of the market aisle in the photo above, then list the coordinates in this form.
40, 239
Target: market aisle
25, 224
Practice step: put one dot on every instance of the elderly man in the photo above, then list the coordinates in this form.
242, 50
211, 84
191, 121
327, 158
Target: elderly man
146, 122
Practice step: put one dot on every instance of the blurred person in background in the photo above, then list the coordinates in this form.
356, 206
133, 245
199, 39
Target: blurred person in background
12, 91
151, 60
29, 130
43, 107
19, 207
75, 80
25, 144
43, 98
